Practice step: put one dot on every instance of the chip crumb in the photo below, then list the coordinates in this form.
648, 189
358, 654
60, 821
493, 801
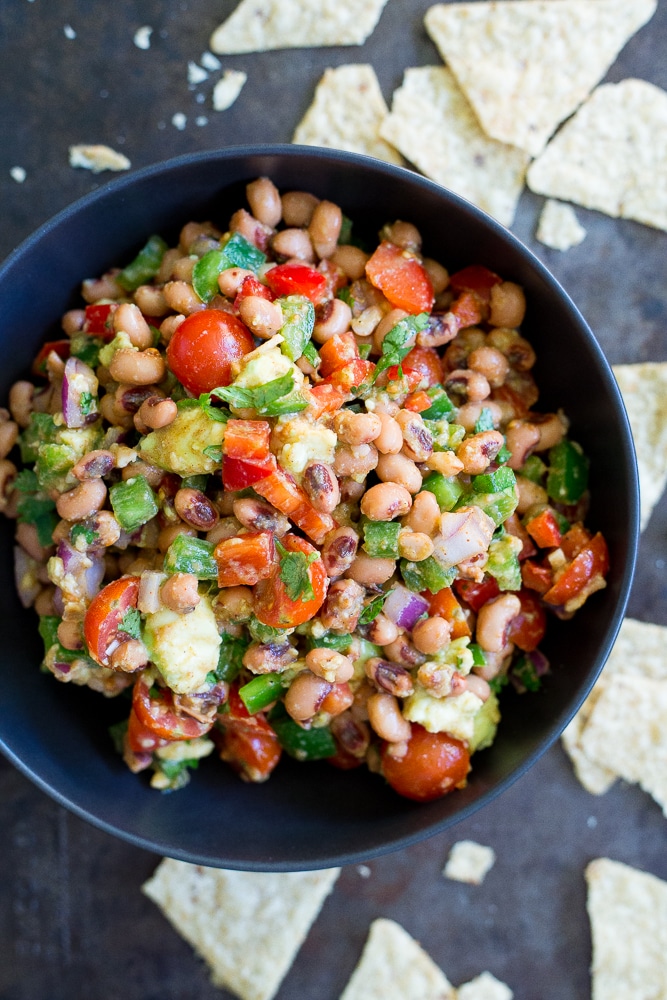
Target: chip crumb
201, 120
526, 67
364, 871
210, 62
97, 158
484, 987
559, 227
644, 390
142, 37
219, 912
612, 154
346, 113
393, 964
627, 909
179, 120
196, 74
69, 31
18, 174
432, 124
469, 861
262, 25
228, 88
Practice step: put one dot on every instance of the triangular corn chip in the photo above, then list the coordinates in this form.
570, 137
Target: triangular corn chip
644, 390
435, 128
628, 914
525, 65
612, 156
260, 25
347, 111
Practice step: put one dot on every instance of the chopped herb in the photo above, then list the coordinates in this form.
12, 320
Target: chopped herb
214, 452
484, 421
130, 623
396, 345
230, 658
86, 349
524, 675
272, 399
365, 350
87, 403
81, 531
294, 573
346, 296
264, 633
34, 507
373, 609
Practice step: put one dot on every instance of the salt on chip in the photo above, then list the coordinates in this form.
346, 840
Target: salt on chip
470, 862
525, 67
640, 650
393, 964
644, 390
248, 926
260, 25
612, 155
626, 732
558, 226
97, 158
347, 111
627, 909
484, 987
434, 126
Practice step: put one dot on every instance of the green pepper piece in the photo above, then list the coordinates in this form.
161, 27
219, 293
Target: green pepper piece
381, 538
484, 421
534, 469
133, 503
191, 555
311, 354
298, 322
478, 657
240, 252
40, 430
441, 407
261, 691
447, 490
205, 273
494, 482
498, 506
144, 266
303, 744
230, 658
341, 643
567, 478
426, 575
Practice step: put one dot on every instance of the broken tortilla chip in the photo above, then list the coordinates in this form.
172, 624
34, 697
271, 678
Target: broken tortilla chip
627, 909
435, 128
347, 111
261, 25
644, 390
525, 67
484, 987
558, 226
612, 155
469, 861
97, 158
393, 964
218, 912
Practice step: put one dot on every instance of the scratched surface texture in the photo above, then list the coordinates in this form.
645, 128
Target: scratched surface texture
73, 923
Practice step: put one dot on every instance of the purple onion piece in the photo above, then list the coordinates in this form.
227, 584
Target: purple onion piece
404, 608
86, 569
58, 602
539, 661
79, 394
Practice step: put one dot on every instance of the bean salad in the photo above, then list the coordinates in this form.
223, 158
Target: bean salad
283, 492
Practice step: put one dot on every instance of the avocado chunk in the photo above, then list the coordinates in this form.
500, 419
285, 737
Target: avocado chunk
486, 724
188, 445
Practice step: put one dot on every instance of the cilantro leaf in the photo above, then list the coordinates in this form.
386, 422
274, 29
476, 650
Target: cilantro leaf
484, 421
87, 403
373, 609
214, 452
130, 623
396, 346
270, 400
34, 507
81, 531
294, 573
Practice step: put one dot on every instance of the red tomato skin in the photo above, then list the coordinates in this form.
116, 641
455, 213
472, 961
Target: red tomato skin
273, 605
237, 473
297, 279
427, 362
591, 561
141, 739
159, 715
476, 595
401, 278
527, 629
62, 349
99, 320
475, 278
105, 613
201, 352
247, 742
434, 764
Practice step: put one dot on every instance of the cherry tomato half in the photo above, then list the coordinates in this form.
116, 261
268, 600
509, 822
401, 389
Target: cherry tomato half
434, 764
401, 278
154, 708
101, 626
202, 350
247, 742
274, 606
527, 629
141, 739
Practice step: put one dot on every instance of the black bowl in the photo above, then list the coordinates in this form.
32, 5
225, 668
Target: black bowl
307, 815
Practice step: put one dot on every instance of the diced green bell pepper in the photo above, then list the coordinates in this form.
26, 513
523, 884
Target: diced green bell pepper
133, 503
341, 643
381, 538
303, 744
498, 506
567, 478
478, 657
534, 469
41, 430
191, 555
237, 251
484, 421
230, 658
261, 691
298, 323
144, 266
447, 490
441, 407
311, 354
426, 575
494, 482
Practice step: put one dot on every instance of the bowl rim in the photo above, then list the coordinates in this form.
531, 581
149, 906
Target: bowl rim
115, 187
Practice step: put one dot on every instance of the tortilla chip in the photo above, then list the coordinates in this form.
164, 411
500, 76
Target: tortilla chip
644, 390
525, 67
627, 909
435, 128
347, 111
469, 862
626, 732
484, 987
97, 158
393, 964
558, 226
261, 25
612, 156
247, 926
596, 778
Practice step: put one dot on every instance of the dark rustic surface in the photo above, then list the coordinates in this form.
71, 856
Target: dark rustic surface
73, 923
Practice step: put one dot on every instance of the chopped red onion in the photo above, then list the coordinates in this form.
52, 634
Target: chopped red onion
404, 608
79, 394
148, 600
86, 569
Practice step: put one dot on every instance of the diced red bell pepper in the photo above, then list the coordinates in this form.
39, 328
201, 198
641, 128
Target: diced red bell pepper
467, 309
427, 362
325, 398
527, 629
62, 349
99, 320
252, 286
351, 374
247, 439
536, 576
238, 474
281, 490
445, 605
591, 561
313, 523
477, 279
417, 402
476, 595
244, 560
505, 394
401, 277
337, 352
544, 529
575, 539
297, 279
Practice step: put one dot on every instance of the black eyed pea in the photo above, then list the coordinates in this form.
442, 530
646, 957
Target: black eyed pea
305, 695
158, 412
339, 550
444, 462
386, 501
466, 385
330, 665
401, 470
69, 634
355, 460
469, 413
552, 428
530, 493
414, 545
390, 439
491, 363
321, 485
324, 228
387, 323
343, 606
389, 677
182, 298
424, 515
431, 635
195, 508
72, 321
230, 280
357, 428
332, 317
293, 244
20, 402
402, 234
404, 652
129, 657
518, 351
9, 432
477, 452
180, 593
384, 715
258, 515
83, 501
128, 318
151, 300
172, 531
438, 274
381, 631
137, 367
264, 200
508, 305
263, 318
94, 465
298, 207
521, 436
351, 260
493, 620
417, 438
371, 571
